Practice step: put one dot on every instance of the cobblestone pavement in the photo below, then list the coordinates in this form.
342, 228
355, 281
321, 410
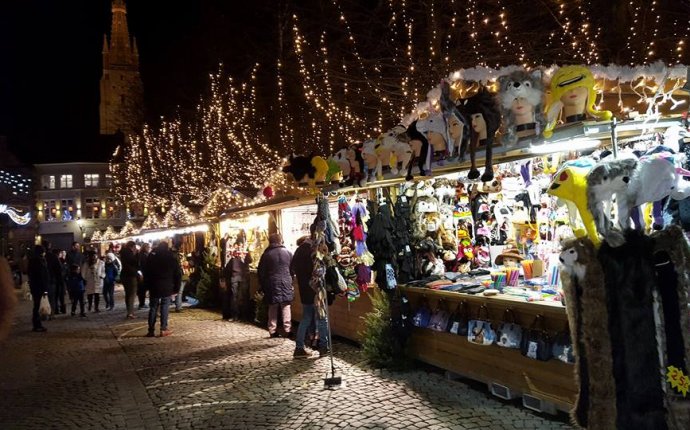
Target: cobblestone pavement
101, 372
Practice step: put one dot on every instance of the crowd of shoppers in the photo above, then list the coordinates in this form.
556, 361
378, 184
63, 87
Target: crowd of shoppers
84, 276
158, 273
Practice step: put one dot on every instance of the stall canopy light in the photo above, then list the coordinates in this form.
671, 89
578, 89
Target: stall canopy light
578, 144
153, 236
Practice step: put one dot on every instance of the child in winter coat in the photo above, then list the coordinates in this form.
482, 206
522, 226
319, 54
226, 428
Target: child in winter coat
112, 271
76, 288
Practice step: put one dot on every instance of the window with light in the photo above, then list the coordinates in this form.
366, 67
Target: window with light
91, 180
66, 181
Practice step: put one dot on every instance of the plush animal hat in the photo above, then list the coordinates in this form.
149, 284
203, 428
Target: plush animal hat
565, 79
484, 103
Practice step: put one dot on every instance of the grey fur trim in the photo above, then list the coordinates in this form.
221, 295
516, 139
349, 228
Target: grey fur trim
590, 327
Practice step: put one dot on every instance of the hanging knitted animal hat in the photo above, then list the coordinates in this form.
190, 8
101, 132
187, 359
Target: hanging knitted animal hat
482, 111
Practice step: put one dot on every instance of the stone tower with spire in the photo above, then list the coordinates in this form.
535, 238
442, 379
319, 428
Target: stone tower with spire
121, 87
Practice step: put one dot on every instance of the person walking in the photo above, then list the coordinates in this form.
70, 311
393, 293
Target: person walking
76, 287
302, 266
179, 297
39, 278
236, 272
111, 273
142, 286
74, 255
93, 272
275, 280
163, 276
55, 272
62, 286
129, 275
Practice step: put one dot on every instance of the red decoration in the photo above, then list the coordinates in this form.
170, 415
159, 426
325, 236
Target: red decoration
268, 192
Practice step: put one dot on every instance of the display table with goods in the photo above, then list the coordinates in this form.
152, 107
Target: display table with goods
496, 354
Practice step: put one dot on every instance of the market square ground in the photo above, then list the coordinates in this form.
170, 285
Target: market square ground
101, 372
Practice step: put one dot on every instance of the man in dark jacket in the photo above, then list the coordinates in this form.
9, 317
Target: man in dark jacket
39, 279
236, 274
163, 275
74, 255
142, 286
275, 279
128, 275
302, 266
56, 283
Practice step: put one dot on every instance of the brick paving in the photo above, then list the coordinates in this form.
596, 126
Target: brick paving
101, 372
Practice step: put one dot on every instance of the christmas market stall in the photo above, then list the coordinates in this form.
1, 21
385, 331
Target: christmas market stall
576, 176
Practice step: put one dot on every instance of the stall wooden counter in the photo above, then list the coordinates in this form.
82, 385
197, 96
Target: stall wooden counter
345, 317
551, 381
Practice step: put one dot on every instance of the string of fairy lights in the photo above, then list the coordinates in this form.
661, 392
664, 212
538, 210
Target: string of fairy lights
341, 85
181, 160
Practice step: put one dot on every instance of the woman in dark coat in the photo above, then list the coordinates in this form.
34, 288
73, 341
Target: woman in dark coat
39, 279
275, 279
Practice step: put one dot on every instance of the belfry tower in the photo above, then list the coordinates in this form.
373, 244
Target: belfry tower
121, 87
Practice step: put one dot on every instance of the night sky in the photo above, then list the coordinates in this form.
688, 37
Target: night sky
50, 56
51, 65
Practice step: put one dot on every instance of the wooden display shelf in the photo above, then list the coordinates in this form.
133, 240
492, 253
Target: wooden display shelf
552, 381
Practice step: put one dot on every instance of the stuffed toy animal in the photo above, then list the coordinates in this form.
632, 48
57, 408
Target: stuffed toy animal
372, 155
320, 169
433, 127
521, 98
482, 111
570, 184
607, 178
351, 164
334, 175
300, 167
341, 159
572, 92
397, 142
656, 176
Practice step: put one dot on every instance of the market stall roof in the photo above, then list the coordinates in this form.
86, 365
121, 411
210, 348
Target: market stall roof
269, 205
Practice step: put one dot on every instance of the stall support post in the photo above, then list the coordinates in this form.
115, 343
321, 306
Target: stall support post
614, 137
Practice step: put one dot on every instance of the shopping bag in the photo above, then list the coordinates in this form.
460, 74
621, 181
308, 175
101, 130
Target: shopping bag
479, 330
44, 307
563, 348
457, 323
509, 332
422, 316
536, 342
439, 319
391, 282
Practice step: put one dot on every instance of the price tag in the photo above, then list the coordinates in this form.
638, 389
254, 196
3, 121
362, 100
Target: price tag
678, 380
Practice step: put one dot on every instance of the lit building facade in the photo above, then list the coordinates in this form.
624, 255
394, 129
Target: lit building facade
73, 200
